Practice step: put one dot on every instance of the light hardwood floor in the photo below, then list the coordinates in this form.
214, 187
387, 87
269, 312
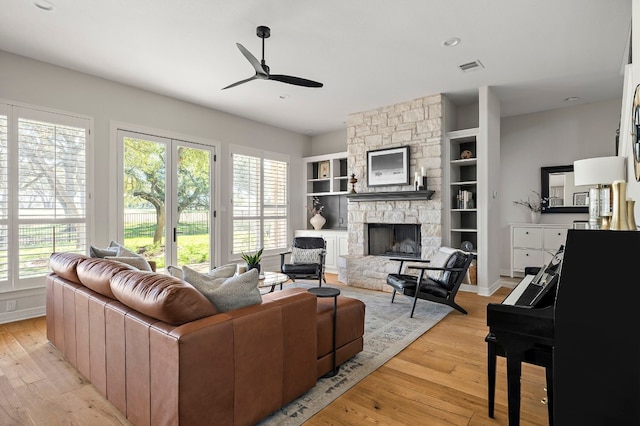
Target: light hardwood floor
439, 379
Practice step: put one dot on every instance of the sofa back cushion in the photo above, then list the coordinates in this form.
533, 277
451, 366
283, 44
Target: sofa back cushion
65, 264
96, 274
162, 297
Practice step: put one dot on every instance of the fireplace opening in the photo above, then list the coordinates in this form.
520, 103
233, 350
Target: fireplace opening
392, 239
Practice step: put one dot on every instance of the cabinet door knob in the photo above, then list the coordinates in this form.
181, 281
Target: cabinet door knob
527, 254
527, 232
559, 234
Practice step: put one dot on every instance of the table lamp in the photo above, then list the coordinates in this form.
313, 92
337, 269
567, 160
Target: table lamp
599, 171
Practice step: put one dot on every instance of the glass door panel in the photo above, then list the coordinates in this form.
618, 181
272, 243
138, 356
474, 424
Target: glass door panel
192, 232
144, 193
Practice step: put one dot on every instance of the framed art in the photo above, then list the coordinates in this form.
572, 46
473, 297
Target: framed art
580, 198
388, 166
323, 169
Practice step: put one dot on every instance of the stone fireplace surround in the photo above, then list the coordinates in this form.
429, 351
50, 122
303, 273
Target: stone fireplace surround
418, 124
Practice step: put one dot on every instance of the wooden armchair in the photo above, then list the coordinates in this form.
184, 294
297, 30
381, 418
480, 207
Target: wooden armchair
439, 288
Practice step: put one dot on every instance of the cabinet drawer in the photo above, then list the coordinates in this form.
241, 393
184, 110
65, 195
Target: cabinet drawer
527, 237
523, 258
554, 238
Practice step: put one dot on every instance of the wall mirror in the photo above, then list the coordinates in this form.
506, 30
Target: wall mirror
559, 193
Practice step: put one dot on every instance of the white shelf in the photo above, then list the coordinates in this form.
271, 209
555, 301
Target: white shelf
464, 210
464, 162
464, 230
463, 134
319, 180
468, 182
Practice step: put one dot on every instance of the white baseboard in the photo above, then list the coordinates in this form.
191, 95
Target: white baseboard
23, 314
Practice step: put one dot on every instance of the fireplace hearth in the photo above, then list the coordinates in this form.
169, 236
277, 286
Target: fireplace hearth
394, 240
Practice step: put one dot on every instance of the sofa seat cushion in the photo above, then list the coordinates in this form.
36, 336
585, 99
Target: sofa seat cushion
65, 265
350, 322
96, 273
161, 296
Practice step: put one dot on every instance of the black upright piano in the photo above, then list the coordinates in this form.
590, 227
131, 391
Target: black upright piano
589, 321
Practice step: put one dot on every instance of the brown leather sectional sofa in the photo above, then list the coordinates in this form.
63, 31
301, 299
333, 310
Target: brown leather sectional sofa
158, 350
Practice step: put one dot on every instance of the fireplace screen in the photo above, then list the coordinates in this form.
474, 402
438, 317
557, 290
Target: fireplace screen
394, 240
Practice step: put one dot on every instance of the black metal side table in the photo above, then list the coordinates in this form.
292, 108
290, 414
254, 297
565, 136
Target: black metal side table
330, 292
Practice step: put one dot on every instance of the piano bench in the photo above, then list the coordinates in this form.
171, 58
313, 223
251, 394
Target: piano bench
539, 355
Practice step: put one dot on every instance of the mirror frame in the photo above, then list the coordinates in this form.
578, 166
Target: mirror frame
544, 186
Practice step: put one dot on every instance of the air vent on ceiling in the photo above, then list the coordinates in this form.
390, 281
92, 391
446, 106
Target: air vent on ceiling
471, 66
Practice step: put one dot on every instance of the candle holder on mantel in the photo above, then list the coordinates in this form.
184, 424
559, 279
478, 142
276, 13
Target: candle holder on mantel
353, 182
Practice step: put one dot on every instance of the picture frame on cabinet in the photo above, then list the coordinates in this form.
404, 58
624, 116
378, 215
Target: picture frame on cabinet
323, 169
389, 166
580, 198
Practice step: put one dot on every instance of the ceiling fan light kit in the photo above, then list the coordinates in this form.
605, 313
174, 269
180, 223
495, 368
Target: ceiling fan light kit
263, 70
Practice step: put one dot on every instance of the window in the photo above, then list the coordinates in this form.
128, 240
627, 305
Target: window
43, 198
260, 201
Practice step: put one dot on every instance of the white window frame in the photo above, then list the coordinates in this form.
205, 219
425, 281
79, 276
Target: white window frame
15, 111
263, 155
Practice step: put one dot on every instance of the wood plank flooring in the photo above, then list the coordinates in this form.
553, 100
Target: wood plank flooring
438, 380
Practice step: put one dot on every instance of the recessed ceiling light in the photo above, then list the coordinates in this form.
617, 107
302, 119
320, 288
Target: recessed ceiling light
571, 99
44, 5
451, 42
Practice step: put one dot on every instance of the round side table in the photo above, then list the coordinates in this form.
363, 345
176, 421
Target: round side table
330, 292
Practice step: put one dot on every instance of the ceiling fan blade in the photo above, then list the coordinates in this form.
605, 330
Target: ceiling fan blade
237, 83
252, 59
294, 80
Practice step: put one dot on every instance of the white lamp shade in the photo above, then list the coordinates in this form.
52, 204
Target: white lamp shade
598, 171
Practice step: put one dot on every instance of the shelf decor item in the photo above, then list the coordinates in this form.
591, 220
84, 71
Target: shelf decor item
323, 169
317, 221
388, 166
619, 221
353, 182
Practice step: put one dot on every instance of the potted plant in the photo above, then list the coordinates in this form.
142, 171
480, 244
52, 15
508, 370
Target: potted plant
253, 260
534, 206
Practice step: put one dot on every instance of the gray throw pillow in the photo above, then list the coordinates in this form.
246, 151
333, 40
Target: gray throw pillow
299, 255
102, 252
224, 271
200, 280
174, 271
237, 292
135, 261
122, 250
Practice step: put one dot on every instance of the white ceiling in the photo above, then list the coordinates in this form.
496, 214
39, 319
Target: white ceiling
368, 53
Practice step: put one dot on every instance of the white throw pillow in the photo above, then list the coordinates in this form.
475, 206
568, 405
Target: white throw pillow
439, 260
227, 294
122, 250
224, 271
299, 255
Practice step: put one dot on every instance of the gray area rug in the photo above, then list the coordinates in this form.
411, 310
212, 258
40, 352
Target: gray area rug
387, 330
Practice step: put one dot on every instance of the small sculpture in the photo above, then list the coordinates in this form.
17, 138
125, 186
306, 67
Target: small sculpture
353, 182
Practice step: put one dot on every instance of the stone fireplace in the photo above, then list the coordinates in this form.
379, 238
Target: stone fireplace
417, 124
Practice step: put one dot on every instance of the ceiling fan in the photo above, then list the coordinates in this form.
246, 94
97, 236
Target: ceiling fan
262, 70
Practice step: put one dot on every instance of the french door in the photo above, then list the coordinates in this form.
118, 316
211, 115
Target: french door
166, 211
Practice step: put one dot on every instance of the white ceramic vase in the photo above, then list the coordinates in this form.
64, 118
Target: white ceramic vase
317, 221
535, 217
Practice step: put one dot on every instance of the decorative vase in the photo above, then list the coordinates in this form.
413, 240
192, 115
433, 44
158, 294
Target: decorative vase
535, 217
619, 220
317, 221
631, 215
256, 266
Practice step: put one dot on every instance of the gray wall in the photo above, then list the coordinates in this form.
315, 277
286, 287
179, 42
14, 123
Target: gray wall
40, 84
329, 143
549, 138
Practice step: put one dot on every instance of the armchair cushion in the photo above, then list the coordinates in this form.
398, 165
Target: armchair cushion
301, 255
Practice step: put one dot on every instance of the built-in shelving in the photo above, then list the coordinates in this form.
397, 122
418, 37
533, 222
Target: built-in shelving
327, 179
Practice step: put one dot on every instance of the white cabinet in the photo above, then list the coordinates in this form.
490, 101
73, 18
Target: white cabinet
534, 245
337, 245
326, 174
